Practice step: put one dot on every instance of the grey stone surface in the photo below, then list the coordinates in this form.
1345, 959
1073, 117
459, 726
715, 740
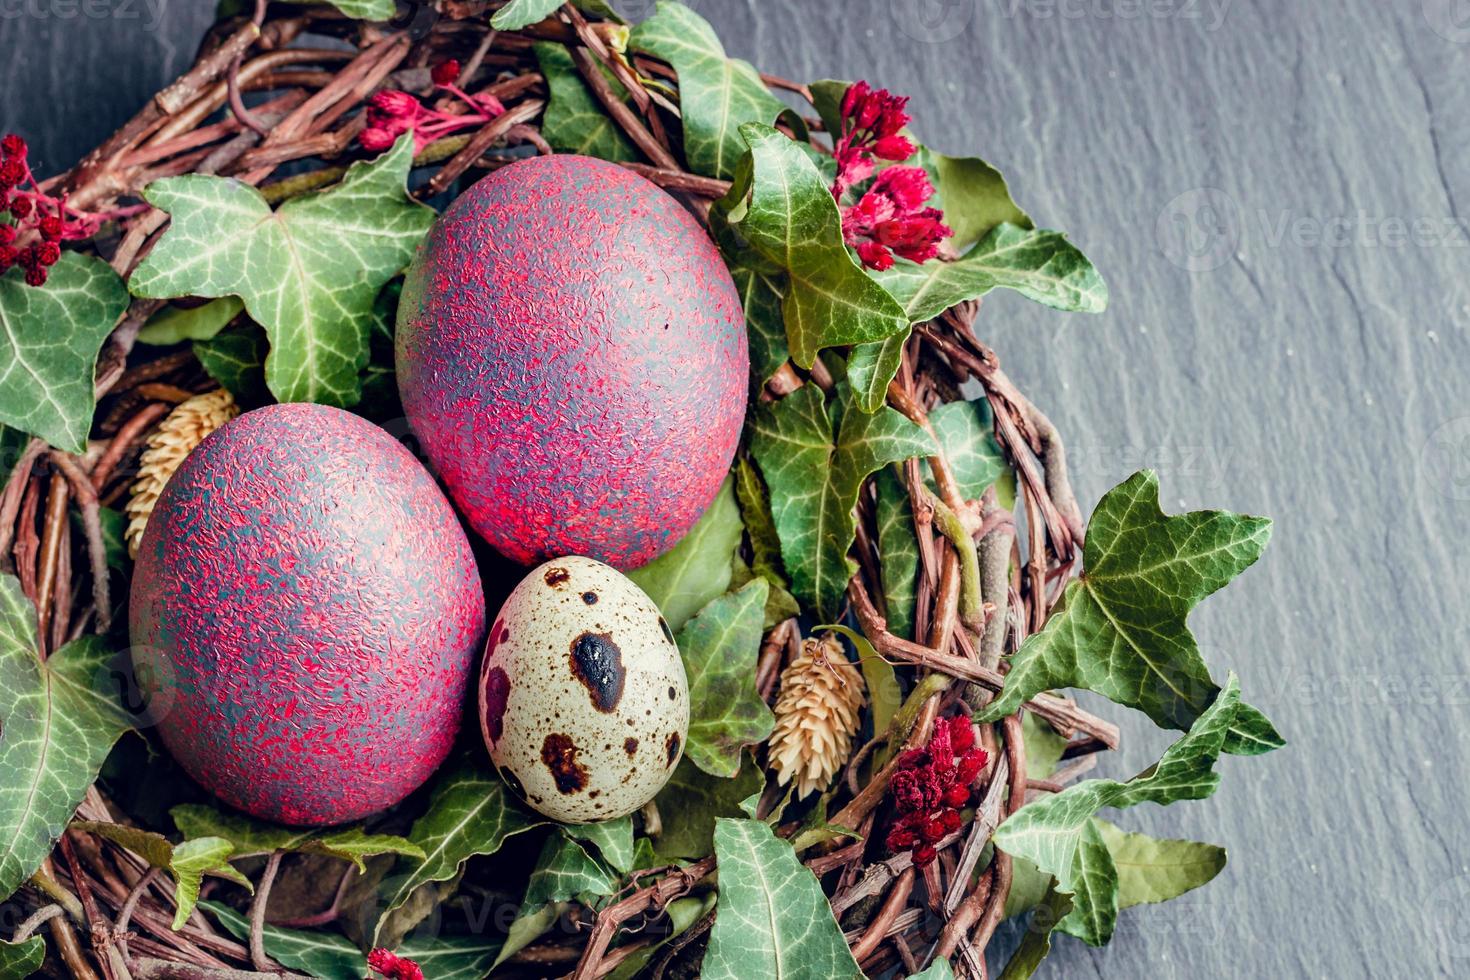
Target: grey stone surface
1272, 191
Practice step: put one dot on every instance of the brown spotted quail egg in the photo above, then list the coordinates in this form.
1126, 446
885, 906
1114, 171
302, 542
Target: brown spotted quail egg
584, 704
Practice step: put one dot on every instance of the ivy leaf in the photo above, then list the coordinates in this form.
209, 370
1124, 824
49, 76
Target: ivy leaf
523, 13
613, 840
20, 960
564, 871
186, 863
755, 513
236, 359
1057, 834
252, 837
760, 297
470, 813
574, 121
716, 94
1036, 943
1044, 746
308, 272
973, 196
690, 802
780, 205
682, 913
49, 341
720, 647
814, 466
58, 721
1121, 629
938, 970
774, 920
362, 9
697, 569
1152, 870
1040, 265
332, 956
176, 324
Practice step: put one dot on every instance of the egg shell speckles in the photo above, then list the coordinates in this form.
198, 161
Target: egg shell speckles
584, 703
572, 353
305, 615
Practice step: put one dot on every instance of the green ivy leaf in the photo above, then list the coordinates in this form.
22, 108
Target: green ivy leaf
332, 956
58, 721
49, 341
716, 94
236, 359
682, 913
697, 569
523, 13
1152, 870
755, 514
720, 646
780, 205
361, 9
814, 466
774, 919
252, 837
308, 272
1040, 265
470, 813
613, 840
1056, 833
760, 297
186, 863
574, 121
1044, 746
938, 970
1036, 943
176, 324
20, 960
564, 871
1121, 629
973, 196
690, 802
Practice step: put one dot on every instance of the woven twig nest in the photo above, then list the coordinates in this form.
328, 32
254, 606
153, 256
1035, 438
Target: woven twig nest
899, 743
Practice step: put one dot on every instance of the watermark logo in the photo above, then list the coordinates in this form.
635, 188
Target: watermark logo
1450, 19
1199, 230
933, 21
146, 13
1447, 917
1209, 14
1444, 462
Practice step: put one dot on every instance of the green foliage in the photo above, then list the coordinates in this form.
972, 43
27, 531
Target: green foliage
716, 94
186, 863
760, 297
1121, 629
176, 324
720, 647
774, 920
20, 960
523, 13
697, 569
690, 802
49, 341
1152, 870
574, 121
58, 721
613, 840
308, 272
973, 196
253, 837
814, 465
236, 359
470, 813
1058, 836
564, 871
780, 207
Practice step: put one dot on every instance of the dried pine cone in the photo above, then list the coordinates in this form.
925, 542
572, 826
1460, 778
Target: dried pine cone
176, 436
816, 715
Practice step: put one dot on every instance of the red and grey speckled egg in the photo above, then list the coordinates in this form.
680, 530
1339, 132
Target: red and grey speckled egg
571, 352
584, 703
305, 615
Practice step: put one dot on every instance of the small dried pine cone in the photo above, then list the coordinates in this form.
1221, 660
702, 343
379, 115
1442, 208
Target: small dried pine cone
817, 715
176, 436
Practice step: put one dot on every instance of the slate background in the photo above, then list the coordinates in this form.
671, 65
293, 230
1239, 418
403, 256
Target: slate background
1283, 340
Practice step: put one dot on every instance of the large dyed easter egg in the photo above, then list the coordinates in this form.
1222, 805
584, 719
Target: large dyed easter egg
305, 614
571, 353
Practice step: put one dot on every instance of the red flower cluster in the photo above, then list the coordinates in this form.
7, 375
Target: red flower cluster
394, 967
890, 218
37, 257
391, 113
930, 787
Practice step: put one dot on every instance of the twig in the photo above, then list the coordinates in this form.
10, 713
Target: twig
258, 958
654, 896
36, 920
151, 969
898, 897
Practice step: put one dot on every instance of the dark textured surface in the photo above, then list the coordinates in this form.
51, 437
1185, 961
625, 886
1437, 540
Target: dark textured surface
1317, 379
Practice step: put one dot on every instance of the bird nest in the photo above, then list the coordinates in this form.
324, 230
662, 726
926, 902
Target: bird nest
278, 99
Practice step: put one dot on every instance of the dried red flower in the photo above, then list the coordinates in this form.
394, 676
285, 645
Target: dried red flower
20, 208
393, 966
445, 72
9, 255
391, 113
13, 145
36, 276
47, 253
7, 234
932, 784
51, 227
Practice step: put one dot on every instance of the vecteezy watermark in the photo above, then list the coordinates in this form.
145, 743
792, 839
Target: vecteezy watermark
933, 21
1450, 19
1200, 229
1444, 461
1447, 917
149, 13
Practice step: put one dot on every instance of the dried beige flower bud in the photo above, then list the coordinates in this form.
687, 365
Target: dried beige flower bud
817, 714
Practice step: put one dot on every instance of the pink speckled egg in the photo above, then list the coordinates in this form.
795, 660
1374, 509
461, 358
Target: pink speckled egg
571, 351
305, 614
